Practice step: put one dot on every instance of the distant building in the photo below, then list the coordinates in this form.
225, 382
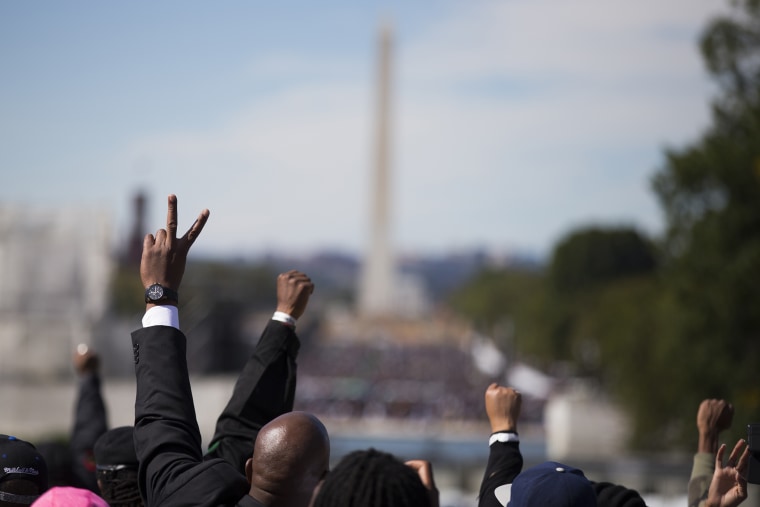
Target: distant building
378, 283
54, 273
133, 252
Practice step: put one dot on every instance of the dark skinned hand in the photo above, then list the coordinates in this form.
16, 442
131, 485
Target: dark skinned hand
165, 255
293, 291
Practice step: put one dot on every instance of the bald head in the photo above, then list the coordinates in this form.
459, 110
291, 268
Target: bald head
290, 457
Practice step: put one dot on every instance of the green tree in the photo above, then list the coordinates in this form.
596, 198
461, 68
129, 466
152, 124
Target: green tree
584, 264
505, 304
553, 315
710, 192
591, 256
627, 322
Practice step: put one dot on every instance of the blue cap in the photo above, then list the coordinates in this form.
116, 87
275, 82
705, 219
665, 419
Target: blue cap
552, 484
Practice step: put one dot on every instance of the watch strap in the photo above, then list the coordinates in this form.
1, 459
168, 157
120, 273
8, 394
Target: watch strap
168, 294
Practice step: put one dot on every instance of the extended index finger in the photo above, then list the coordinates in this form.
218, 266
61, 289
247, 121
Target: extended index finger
171, 219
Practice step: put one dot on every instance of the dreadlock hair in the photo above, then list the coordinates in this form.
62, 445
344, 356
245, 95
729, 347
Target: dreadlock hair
119, 488
372, 478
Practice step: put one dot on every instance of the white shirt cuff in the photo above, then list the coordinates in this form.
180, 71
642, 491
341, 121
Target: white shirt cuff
161, 315
503, 436
284, 318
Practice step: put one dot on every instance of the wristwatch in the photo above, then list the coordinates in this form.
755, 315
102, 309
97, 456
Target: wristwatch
157, 293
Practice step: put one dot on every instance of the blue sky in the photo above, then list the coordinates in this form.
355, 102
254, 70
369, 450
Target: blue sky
514, 121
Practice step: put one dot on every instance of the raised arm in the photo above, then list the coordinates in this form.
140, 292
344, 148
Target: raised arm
89, 417
505, 460
167, 439
729, 487
266, 387
713, 417
424, 470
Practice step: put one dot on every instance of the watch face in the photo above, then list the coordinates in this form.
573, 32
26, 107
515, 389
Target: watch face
155, 292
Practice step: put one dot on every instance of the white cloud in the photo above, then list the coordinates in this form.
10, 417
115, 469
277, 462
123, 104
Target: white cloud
508, 116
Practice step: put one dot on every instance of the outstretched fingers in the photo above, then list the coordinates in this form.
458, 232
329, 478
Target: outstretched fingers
164, 256
738, 458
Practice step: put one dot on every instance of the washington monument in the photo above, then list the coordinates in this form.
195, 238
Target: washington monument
378, 283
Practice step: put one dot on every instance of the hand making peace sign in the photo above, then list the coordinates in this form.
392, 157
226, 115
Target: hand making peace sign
164, 256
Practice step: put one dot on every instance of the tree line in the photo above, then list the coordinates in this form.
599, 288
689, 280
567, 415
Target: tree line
660, 323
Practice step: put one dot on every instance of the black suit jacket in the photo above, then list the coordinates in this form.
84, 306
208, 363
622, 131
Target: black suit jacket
504, 463
173, 470
264, 390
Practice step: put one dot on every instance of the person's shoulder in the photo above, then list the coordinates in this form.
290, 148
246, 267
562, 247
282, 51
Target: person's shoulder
211, 483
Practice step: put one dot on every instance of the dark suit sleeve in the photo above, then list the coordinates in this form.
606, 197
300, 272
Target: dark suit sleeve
264, 390
89, 424
167, 438
504, 463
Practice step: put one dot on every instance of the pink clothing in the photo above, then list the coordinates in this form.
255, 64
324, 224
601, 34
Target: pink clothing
69, 497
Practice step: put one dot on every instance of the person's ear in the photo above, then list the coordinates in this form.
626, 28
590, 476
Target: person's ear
249, 470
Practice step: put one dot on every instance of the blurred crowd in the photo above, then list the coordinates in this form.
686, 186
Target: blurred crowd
437, 382
266, 454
